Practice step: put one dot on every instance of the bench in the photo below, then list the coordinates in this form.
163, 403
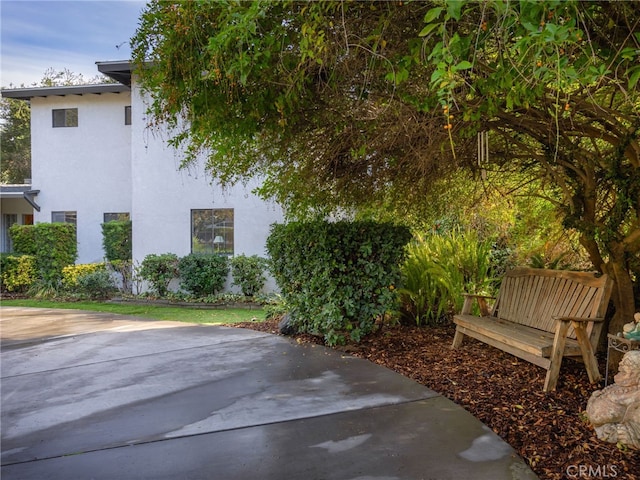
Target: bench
541, 316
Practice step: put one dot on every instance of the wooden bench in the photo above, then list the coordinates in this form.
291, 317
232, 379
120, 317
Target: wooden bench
541, 316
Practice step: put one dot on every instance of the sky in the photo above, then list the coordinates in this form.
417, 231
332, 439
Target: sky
36, 35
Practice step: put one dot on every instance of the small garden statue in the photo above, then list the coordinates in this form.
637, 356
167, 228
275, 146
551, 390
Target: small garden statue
615, 410
631, 330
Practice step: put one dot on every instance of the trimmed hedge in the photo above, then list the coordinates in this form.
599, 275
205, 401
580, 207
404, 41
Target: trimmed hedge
339, 278
53, 245
117, 240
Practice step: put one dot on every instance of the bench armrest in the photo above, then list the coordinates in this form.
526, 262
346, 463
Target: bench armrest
482, 304
579, 319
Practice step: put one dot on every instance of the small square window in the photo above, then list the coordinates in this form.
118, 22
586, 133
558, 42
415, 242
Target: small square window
116, 217
64, 217
65, 117
127, 115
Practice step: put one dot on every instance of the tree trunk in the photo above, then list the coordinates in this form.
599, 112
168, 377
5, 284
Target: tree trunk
623, 302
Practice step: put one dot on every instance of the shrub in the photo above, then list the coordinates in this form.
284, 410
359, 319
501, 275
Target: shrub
248, 273
159, 270
53, 245
438, 270
98, 284
116, 240
203, 274
338, 278
18, 272
71, 273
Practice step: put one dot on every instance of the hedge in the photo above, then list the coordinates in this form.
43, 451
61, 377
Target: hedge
339, 278
53, 245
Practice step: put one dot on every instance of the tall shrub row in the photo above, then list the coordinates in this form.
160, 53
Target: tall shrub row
338, 278
117, 240
53, 245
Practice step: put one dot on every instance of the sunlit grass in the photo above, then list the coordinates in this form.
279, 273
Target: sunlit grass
156, 312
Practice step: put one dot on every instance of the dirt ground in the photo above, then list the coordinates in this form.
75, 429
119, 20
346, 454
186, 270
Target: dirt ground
549, 431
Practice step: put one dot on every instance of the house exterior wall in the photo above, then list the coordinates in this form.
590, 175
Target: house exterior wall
163, 196
85, 169
104, 166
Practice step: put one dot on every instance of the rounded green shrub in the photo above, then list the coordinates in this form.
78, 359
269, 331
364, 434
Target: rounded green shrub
248, 273
159, 270
203, 274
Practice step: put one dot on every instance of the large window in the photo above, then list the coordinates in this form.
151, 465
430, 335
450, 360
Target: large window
116, 217
212, 231
65, 117
64, 217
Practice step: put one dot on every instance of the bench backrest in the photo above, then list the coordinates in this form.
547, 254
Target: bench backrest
533, 296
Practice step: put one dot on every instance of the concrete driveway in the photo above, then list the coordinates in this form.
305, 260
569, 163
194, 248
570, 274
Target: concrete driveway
100, 396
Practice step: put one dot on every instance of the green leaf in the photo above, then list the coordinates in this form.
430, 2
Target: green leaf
464, 65
634, 77
432, 14
428, 29
454, 7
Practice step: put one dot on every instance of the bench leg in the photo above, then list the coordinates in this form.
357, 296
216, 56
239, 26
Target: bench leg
559, 341
457, 339
586, 349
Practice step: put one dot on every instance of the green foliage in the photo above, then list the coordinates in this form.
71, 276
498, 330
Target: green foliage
438, 270
97, 284
53, 245
116, 240
15, 141
159, 270
72, 273
203, 274
338, 278
18, 272
248, 273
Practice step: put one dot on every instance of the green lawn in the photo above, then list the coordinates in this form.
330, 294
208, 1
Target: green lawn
157, 312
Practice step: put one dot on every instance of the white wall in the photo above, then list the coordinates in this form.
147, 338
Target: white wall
164, 195
86, 169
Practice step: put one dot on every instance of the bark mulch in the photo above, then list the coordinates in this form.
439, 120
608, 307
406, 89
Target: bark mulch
550, 431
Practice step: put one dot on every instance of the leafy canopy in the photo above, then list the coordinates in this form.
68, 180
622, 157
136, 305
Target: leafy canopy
348, 103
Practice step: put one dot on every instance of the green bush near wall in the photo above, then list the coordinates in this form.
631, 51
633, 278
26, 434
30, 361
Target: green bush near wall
18, 272
339, 278
159, 270
53, 245
203, 274
248, 273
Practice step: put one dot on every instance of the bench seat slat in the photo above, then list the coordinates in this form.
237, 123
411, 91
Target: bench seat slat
521, 337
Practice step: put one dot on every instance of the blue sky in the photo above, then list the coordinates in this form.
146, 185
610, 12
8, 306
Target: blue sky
73, 34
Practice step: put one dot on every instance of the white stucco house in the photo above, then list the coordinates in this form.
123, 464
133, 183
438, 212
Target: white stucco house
95, 158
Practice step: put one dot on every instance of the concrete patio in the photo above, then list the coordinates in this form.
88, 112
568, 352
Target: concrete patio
100, 396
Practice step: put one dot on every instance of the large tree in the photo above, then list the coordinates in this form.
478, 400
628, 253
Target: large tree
15, 141
349, 104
